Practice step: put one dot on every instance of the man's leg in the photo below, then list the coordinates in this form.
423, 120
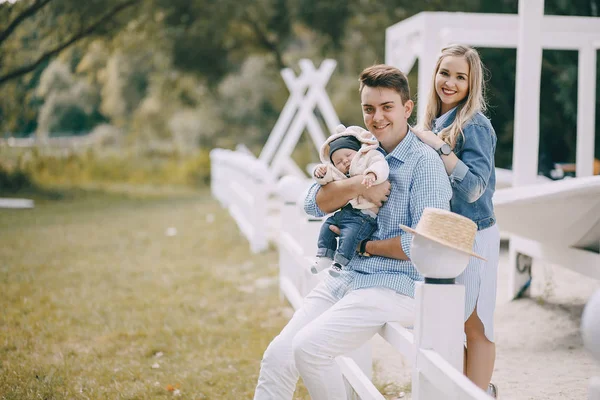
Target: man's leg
344, 327
278, 373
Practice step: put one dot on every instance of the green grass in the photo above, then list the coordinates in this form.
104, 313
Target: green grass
92, 290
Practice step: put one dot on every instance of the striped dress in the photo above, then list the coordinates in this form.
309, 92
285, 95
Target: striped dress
480, 277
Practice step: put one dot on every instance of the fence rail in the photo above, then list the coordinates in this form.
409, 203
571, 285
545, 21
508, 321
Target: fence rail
243, 184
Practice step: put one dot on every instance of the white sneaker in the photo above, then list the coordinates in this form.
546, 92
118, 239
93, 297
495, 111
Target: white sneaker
335, 269
320, 264
492, 391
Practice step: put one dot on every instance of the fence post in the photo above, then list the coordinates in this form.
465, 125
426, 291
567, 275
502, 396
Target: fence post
438, 326
590, 330
439, 319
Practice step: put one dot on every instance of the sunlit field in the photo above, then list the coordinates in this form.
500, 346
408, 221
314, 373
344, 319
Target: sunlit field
132, 297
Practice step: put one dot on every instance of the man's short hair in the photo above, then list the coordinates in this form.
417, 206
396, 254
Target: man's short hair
386, 76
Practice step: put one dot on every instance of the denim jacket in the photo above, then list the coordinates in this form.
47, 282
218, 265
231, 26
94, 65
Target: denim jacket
473, 180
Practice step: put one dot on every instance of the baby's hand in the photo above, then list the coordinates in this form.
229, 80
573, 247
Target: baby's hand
369, 179
320, 171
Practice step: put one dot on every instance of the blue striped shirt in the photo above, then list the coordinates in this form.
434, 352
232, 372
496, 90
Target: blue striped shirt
418, 180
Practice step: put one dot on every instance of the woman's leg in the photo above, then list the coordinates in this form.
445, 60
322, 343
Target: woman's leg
479, 279
480, 353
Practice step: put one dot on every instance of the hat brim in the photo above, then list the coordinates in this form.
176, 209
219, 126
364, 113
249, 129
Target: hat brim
437, 240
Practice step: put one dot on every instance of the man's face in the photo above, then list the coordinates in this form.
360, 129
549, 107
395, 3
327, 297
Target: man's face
384, 114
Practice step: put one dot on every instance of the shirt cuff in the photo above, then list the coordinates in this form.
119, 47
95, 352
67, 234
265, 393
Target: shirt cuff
310, 202
459, 172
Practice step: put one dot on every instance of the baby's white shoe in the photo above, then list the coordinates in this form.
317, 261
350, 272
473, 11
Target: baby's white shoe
335, 269
320, 264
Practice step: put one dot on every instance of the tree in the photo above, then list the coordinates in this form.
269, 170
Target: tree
47, 30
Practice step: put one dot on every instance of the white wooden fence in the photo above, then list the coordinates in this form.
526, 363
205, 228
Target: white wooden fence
434, 348
243, 184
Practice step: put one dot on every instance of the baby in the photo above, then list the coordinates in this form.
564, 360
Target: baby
349, 152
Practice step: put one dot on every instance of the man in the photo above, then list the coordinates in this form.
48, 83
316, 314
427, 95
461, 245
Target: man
341, 314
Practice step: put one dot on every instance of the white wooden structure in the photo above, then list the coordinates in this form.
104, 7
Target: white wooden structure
423, 35
245, 184
307, 93
16, 203
590, 330
435, 354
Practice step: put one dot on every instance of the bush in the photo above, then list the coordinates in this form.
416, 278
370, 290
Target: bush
14, 181
64, 167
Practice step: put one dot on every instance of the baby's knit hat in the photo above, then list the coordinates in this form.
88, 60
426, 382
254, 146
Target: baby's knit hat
344, 142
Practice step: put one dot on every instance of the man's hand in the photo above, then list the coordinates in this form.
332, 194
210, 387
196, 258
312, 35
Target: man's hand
378, 194
337, 231
320, 171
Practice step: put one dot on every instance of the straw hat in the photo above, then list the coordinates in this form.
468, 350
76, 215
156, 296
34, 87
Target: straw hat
447, 228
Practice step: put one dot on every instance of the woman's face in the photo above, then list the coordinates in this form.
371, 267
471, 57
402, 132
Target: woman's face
452, 81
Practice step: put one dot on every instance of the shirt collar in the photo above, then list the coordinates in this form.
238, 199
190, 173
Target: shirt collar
444, 120
403, 149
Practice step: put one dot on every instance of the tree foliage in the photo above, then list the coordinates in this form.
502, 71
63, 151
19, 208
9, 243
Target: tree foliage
201, 72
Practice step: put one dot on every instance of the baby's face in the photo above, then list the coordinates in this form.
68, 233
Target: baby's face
341, 159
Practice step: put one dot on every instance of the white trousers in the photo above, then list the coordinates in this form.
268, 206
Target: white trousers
322, 329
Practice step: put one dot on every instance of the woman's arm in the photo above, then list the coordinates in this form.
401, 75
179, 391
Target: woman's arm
470, 176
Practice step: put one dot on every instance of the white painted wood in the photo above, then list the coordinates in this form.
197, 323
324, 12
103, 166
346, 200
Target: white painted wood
401, 339
590, 332
243, 184
439, 320
315, 96
594, 390
16, 203
527, 93
559, 212
519, 273
410, 39
452, 384
557, 222
431, 44
297, 87
324, 104
586, 111
361, 384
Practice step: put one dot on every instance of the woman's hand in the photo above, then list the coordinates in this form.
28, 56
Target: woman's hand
429, 138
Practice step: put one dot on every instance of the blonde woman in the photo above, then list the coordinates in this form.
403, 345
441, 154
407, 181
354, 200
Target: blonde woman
454, 126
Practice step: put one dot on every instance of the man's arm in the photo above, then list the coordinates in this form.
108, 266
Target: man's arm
336, 194
389, 248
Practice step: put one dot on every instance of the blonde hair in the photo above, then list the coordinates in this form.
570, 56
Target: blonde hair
473, 103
